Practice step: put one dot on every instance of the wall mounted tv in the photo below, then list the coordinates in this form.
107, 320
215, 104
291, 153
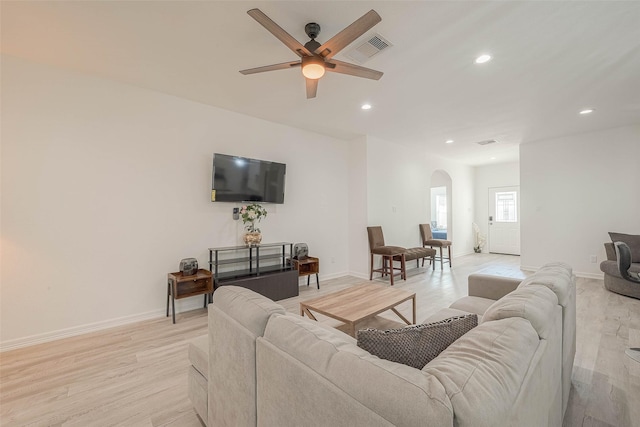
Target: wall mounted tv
239, 179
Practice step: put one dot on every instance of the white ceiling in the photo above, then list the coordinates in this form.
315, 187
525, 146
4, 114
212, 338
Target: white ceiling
551, 59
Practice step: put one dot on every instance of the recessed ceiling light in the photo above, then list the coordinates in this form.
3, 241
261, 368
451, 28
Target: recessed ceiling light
483, 58
366, 106
449, 141
493, 158
587, 111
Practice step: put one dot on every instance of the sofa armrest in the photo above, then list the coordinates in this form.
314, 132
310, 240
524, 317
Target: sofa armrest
611, 251
491, 287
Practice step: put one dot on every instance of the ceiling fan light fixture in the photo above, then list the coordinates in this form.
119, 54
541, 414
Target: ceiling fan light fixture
312, 67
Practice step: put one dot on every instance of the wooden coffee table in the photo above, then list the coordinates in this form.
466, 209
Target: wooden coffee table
358, 303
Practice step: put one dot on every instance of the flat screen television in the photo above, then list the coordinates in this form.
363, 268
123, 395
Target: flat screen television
240, 179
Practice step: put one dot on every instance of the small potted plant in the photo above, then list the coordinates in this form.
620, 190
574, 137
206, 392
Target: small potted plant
479, 239
250, 215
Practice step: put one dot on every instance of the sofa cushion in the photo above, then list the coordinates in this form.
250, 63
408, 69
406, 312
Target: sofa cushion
199, 354
198, 394
236, 318
535, 303
554, 277
417, 345
483, 372
249, 308
558, 267
632, 240
490, 286
611, 268
477, 305
445, 313
400, 394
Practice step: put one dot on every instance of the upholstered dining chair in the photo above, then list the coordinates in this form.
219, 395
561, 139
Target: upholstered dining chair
428, 240
389, 254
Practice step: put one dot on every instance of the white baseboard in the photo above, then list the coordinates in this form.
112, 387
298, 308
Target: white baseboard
462, 254
181, 306
322, 277
192, 304
358, 275
599, 276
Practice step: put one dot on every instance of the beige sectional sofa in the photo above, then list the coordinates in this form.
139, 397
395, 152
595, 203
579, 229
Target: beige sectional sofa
267, 367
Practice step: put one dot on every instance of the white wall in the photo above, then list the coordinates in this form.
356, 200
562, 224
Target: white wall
357, 209
397, 192
403, 182
576, 189
490, 176
105, 187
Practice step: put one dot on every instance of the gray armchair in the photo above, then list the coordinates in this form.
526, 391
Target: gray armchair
623, 253
613, 279
624, 264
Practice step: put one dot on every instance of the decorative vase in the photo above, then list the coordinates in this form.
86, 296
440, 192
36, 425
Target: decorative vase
252, 238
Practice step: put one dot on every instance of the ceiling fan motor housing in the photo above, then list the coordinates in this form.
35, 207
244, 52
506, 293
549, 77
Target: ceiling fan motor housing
312, 29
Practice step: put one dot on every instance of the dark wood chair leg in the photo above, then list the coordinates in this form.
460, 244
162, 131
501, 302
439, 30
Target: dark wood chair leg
173, 307
403, 266
317, 281
371, 269
168, 296
433, 262
391, 266
449, 256
441, 263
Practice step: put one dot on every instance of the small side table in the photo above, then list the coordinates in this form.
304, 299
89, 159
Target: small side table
307, 267
181, 286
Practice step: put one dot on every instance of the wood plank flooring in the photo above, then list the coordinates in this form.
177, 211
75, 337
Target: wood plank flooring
136, 375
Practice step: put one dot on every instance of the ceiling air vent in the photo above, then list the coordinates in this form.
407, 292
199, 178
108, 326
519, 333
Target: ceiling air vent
487, 142
369, 48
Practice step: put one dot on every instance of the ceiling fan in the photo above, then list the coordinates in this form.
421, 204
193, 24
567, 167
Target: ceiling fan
315, 58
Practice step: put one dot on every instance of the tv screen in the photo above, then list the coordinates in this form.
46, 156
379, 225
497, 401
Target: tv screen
240, 179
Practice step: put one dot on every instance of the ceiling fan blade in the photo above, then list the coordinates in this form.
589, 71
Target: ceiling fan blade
349, 34
280, 34
282, 66
353, 70
312, 87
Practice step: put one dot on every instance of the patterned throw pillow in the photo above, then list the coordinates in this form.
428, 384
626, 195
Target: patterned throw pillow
417, 345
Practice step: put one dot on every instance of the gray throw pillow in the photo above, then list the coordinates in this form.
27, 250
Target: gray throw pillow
417, 345
632, 240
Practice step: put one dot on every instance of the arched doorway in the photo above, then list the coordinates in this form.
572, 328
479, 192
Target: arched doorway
441, 212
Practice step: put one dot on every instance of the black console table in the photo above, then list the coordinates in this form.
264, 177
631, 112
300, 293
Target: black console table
262, 268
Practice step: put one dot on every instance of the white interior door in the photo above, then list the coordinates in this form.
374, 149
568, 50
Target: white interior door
504, 220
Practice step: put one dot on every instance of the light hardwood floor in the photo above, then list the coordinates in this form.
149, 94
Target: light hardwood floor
137, 375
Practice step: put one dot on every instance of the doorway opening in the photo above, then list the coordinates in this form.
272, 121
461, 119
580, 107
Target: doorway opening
441, 223
504, 220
